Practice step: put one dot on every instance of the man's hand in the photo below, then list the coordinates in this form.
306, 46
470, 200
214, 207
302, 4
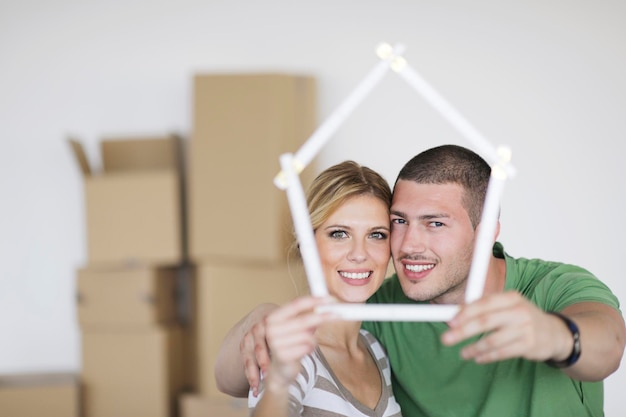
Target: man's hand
513, 327
255, 354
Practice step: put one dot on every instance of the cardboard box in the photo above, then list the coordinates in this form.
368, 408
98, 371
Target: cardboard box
134, 211
127, 298
224, 295
192, 405
241, 125
130, 374
39, 395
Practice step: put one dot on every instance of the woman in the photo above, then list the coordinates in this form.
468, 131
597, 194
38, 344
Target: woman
322, 366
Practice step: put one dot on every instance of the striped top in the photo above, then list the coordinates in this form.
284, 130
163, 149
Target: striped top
316, 391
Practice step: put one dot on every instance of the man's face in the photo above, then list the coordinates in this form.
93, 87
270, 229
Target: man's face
432, 241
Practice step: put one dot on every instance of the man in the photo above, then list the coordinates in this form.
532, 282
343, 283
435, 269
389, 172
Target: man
538, 343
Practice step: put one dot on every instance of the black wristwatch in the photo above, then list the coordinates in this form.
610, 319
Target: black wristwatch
575, 355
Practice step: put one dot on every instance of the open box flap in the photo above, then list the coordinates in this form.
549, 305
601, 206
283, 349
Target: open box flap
140, 153
81, 157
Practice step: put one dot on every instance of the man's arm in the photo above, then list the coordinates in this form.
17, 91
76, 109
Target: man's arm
242, 353
602, 337
517, 328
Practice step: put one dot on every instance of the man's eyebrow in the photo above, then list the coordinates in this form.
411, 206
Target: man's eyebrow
434, 216
422, 217
397, 213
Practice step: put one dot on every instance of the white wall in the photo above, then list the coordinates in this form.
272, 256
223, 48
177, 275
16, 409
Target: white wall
545, 77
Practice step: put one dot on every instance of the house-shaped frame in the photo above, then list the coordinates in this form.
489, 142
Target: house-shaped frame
292, 164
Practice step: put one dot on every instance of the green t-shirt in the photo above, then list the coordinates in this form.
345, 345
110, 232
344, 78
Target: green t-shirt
431, 380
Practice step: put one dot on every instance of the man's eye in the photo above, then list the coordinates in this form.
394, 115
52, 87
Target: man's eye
398, 221
338, 234
436, 224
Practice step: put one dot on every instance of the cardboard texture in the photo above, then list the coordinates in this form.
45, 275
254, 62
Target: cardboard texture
224, 294
241, 125
39, 395
134, 211
145, 154
197, 406
127, 298
130, 374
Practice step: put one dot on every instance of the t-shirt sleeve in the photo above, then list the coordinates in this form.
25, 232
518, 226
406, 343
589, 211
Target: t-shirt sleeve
567, 285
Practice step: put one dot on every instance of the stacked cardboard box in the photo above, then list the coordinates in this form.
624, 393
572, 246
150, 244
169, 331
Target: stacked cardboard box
197, 406
134, 207
239, 222
135, 342
39, 395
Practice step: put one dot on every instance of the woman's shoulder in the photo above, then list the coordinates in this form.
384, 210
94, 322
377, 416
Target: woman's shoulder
377, 349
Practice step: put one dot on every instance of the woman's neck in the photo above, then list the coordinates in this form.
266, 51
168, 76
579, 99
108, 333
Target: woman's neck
339, 334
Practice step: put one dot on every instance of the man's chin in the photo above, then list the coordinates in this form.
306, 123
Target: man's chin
414, 290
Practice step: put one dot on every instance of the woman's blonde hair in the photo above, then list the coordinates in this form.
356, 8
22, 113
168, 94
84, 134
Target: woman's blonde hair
339, 183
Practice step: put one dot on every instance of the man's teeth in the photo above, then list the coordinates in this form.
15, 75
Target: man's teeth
355, 275
419, 268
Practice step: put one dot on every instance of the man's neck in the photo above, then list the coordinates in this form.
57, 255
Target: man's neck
496, 276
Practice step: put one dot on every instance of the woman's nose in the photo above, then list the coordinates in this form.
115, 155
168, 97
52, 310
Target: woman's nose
357, 252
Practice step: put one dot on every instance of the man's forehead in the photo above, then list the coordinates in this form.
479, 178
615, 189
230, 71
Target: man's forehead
408, 187
412, 198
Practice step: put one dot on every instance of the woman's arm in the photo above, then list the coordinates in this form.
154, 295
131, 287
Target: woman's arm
290, 336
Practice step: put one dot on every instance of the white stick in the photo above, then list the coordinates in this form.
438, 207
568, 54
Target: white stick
452, 116
304, 230
288, 179
485, 238
322, 134
392, 312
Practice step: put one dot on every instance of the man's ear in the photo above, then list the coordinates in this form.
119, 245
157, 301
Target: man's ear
496, 231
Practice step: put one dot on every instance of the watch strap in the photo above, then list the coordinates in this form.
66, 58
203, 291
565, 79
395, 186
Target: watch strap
576, 349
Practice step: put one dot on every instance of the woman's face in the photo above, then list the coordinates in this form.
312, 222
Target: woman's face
353, 245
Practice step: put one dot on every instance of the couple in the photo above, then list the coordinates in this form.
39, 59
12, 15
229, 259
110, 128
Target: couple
538, 343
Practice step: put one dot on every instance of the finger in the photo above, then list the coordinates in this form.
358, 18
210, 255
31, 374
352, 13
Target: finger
487, 304
528, 339
293, 350
295, 337
298, 306
486, 317
303, 323
285, 327
505, 343
483, 324
253, 375
261, 349
250, 365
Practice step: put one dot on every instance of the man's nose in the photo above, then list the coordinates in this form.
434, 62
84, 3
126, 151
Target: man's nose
414, 241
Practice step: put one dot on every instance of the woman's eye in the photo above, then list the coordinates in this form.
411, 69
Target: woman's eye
338, 234
379, 235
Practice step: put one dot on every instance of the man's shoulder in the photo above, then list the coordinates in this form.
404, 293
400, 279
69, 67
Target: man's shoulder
532, 268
